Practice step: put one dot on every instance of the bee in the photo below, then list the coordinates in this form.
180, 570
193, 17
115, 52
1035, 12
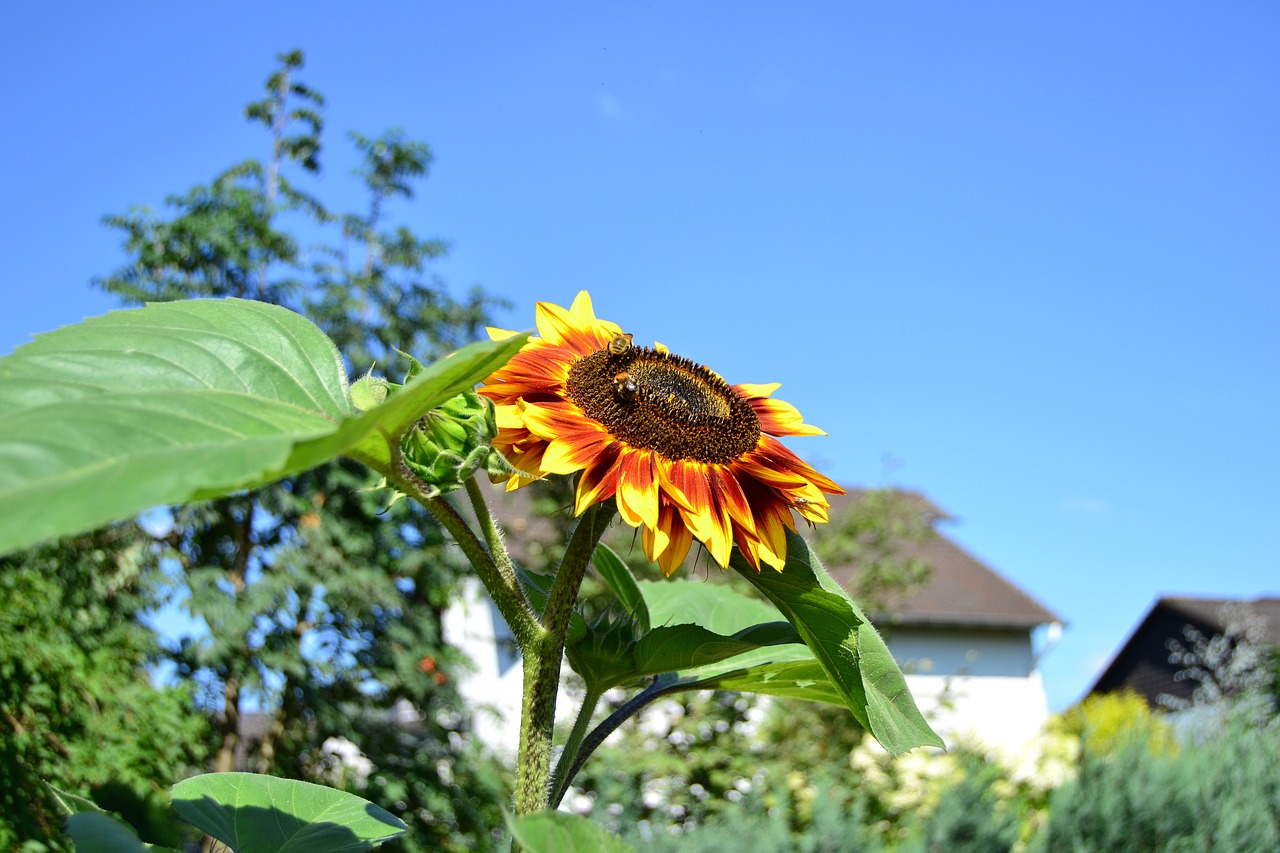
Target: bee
620, 344
625, 385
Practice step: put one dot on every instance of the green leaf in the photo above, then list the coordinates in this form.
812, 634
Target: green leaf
610, 652
680, 647
620, 580
845, 645
265, 814
795, 679
717, 607
186, 400
71, 804
561, 832
99, 832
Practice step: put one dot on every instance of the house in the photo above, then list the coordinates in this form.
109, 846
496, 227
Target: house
968, 640
1143, 663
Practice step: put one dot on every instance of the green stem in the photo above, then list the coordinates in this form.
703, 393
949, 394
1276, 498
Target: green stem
542, 663
661, 685
503, 587
560, 780
492, 535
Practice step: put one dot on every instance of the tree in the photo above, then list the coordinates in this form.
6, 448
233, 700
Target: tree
323, 604
77, 706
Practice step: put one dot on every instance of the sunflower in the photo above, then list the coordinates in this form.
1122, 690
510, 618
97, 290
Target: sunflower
687, 455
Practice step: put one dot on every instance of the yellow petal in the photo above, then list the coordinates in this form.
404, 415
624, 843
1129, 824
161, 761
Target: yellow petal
758, 390
496, 334
554, 323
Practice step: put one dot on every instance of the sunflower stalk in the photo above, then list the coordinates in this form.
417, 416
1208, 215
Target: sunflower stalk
543, 659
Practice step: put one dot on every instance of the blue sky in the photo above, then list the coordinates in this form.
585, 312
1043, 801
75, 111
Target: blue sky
1020, 257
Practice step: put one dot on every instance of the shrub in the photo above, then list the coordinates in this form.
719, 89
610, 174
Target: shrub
1220, 794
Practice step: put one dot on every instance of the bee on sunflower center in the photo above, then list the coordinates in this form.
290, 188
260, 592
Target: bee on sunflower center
626, 386
620, 344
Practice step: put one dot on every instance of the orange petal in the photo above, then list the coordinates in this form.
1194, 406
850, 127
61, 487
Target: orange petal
574, 452
656, 539
678, 545
638, 489
556, 325
686, 483
728, 493
599, 481
721, 544
771, 527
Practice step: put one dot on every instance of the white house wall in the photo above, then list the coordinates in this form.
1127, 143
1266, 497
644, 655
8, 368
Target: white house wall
973, 685
994, 711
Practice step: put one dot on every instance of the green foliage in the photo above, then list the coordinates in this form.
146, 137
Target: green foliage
681, 764
323, 604
845, 644
1219, 794
1110, 721
77, 707
968, 816
559, 832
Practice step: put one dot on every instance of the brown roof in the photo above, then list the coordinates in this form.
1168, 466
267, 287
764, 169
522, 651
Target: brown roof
961, 589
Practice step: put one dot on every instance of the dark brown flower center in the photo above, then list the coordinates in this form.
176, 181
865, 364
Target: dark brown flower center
657, 401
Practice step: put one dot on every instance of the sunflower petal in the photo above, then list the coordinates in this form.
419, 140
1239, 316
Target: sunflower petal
677, 548
638, 489
757, 391
599, 481
781, 418
496, 334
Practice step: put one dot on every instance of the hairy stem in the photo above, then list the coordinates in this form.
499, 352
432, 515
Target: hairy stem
542, 665
502, 586
560, 780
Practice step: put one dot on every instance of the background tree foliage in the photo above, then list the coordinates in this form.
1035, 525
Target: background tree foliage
323, 605
77, 706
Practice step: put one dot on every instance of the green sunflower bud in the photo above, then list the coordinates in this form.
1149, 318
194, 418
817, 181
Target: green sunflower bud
368, 392
451, 443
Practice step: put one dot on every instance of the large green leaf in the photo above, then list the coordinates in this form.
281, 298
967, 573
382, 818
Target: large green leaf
845, 645
622, 583
186, 400
719, 607
264, 814
561, 832
98, 832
